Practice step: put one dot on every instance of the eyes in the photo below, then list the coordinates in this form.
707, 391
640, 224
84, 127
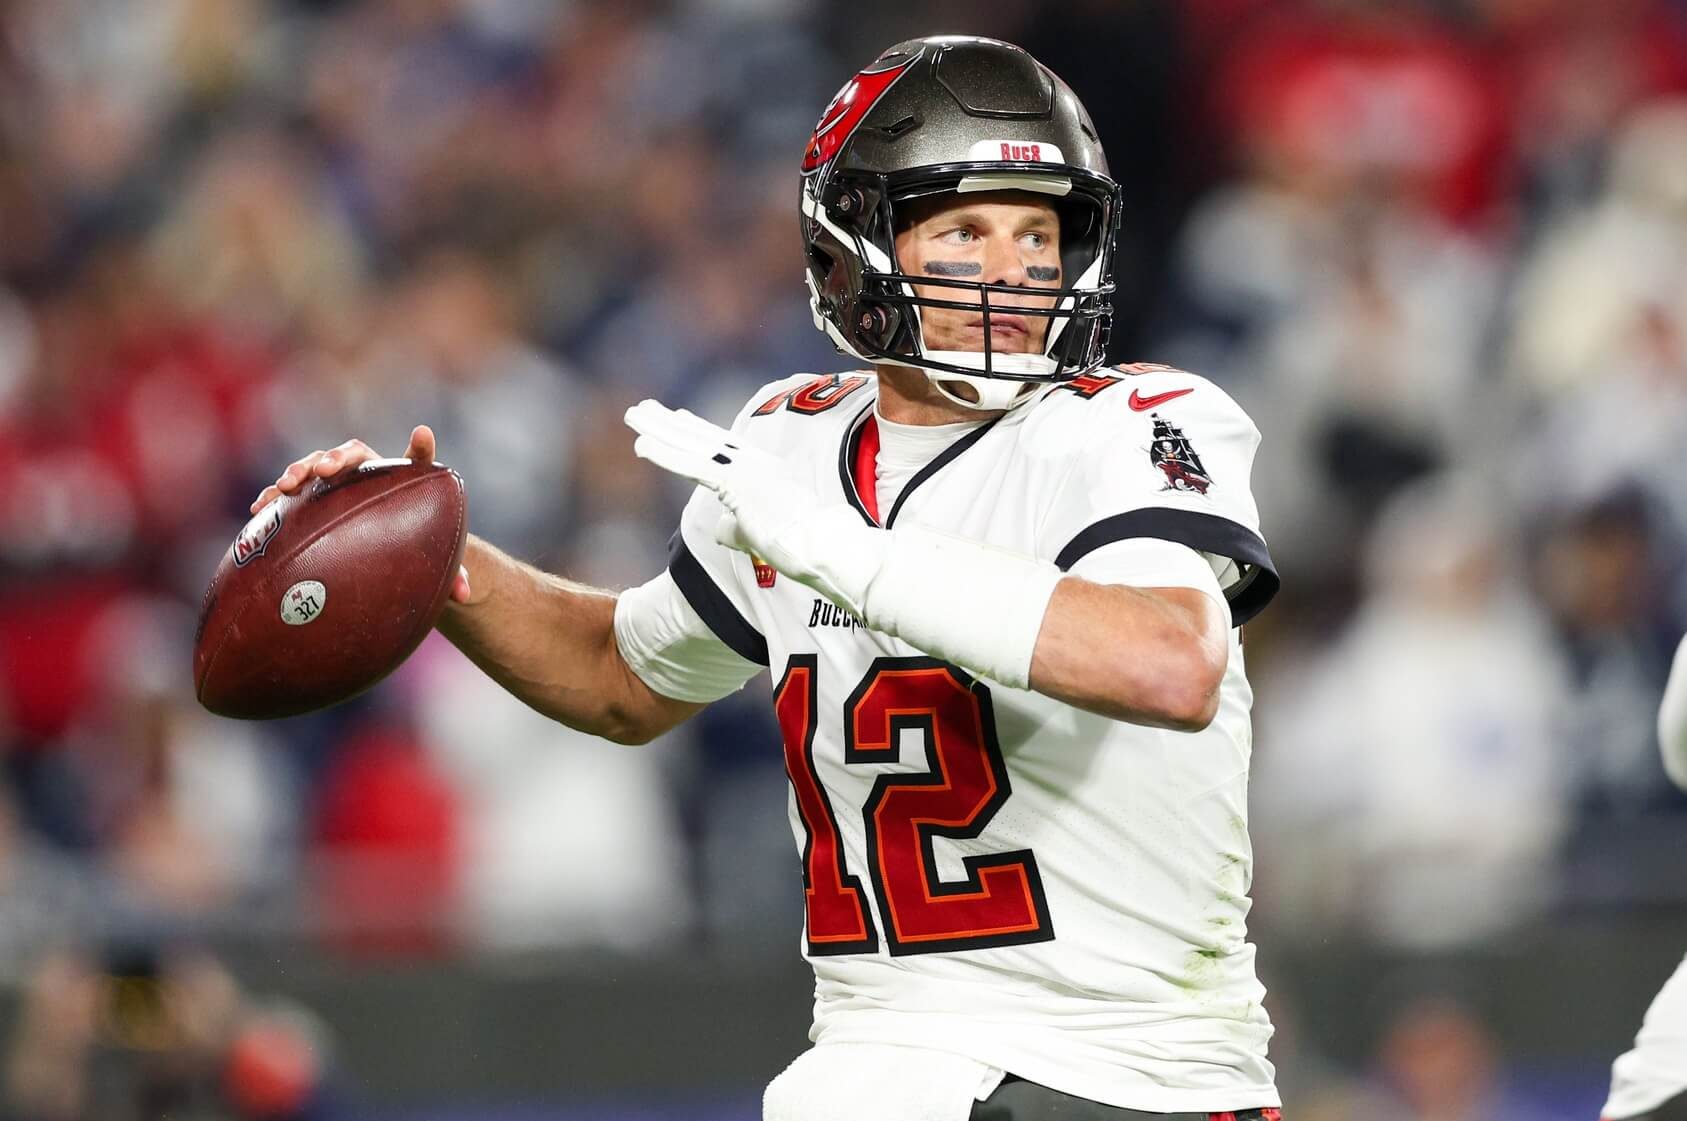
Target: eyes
1031, 241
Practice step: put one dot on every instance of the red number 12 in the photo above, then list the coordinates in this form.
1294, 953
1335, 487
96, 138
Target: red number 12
1000, 902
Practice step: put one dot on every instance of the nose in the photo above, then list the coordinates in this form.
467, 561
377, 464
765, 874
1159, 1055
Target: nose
1001, 261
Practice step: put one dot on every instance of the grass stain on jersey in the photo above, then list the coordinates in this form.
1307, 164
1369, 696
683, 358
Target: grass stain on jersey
1201, 972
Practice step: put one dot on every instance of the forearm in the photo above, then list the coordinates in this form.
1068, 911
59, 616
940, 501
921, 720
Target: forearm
551, 643
1148, 656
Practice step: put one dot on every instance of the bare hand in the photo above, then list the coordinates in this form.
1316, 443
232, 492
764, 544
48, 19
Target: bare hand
326, 464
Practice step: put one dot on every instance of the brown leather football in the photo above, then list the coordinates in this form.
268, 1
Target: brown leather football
326, 591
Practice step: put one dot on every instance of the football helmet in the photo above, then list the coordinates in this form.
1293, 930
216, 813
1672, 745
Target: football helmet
956, 114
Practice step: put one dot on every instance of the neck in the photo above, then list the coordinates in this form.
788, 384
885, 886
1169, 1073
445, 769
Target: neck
906, 396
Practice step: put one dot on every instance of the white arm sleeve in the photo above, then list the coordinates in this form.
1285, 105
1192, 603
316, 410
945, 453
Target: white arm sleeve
1672, 719
1152, 562
666, 643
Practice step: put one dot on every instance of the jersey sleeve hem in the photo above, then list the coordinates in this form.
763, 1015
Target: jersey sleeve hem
713, 606
1206, 533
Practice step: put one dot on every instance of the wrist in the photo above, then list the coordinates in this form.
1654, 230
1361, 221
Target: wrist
969, 603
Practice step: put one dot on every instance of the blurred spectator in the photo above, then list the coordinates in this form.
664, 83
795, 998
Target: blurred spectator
45, 900
566, 841
1319, 1088
150, 1034
1603, 296
386, 847
445, 348
1601, 568
1329, 287
1414, 790
1573, 72
724, 313
1368, 89
1599, 341
256, 242
1441, 1063
181, 814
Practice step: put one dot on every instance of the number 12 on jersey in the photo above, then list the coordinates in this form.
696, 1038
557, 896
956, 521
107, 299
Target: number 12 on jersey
1000, 901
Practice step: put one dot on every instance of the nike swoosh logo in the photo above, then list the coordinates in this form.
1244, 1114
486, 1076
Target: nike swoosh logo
1143, 404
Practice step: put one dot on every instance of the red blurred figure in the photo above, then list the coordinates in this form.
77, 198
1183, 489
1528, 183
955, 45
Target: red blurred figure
1372, 95
386, 848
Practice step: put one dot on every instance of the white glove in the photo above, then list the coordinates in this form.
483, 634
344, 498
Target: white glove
958, 600
827, 547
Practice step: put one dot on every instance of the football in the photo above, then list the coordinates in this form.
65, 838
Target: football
326, 591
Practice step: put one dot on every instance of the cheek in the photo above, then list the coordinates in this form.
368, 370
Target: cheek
940, 292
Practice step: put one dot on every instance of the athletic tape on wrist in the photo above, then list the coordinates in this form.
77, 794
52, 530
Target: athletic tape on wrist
967, 603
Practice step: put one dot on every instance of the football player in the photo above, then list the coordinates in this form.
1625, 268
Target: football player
1649, 1083
1000, 594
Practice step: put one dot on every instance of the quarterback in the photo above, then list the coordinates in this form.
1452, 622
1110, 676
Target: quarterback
999, 590
1649, 1082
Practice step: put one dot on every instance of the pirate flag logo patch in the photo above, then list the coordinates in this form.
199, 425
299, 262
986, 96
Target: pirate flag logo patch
1172, 453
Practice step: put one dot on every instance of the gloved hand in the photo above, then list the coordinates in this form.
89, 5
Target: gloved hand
826, 546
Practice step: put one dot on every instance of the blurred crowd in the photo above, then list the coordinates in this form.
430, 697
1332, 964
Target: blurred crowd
1437, 248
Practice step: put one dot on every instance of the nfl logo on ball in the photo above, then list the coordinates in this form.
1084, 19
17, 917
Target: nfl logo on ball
257, 534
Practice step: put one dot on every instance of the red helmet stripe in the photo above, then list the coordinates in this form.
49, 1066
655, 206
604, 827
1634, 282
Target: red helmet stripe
846, 111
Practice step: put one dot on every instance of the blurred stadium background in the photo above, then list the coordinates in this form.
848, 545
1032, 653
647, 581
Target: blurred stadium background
1438, 249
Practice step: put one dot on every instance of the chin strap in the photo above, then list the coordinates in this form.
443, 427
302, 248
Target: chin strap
993, 394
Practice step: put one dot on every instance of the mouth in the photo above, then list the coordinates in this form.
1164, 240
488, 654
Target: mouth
1003, 326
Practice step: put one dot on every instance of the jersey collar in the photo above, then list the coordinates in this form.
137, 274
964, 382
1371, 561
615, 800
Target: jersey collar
857, 460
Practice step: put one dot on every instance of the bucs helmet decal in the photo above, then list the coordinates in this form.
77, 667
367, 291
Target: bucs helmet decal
846, 110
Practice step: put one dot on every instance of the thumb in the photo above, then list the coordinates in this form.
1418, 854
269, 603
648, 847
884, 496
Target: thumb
422, 447
726, 532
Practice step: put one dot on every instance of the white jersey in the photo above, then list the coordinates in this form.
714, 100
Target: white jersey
989, 871
1656, 1069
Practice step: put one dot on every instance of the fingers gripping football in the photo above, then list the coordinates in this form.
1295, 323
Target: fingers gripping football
325, 464
825, 546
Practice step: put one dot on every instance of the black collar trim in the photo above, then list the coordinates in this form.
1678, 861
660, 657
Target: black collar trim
846, 462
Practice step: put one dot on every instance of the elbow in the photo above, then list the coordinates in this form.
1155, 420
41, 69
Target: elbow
616, 722
1186, 694
622, 727
1192, 713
